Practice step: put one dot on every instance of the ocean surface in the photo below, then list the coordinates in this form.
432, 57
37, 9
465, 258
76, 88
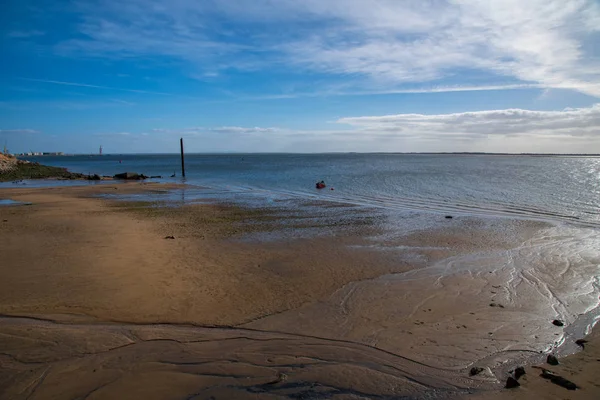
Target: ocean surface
541, 187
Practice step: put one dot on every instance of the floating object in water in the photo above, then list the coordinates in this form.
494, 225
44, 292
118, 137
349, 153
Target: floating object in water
320, 185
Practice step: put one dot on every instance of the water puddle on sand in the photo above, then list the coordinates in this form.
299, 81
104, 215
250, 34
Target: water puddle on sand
9, 202
491, 309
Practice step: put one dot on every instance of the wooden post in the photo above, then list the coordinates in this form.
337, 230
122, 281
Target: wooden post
182, 159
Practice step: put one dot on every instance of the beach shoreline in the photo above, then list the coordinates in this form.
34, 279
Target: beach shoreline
79, 258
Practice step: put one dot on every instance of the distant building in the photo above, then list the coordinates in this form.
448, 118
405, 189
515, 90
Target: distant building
39, 153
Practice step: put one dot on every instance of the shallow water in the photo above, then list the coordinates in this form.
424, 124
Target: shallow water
561, 188
9, 202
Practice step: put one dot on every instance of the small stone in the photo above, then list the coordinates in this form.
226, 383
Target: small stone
558, 322
581, 342
448, 217
511, 383
169, 237
519, 372
552, 360
475, 371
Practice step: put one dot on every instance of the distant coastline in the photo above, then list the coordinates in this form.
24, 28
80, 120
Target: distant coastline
458, 153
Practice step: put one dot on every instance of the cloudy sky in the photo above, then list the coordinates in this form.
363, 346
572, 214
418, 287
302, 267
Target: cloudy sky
300, 75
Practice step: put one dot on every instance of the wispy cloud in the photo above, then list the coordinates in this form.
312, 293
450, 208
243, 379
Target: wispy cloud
95, 86
25, 34
387, 42
113, 134
579, 122
419, 90
477, 125
127, 103
509, 130
222, 130
18, 131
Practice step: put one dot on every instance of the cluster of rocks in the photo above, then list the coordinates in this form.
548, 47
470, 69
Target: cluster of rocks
134, 176
513, 379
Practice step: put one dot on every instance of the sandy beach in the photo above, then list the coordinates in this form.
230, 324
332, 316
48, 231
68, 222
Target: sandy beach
105, 299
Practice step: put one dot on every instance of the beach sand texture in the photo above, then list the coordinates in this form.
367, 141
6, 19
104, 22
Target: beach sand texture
97, 303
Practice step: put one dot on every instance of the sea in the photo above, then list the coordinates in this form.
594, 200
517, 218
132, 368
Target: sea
557, 188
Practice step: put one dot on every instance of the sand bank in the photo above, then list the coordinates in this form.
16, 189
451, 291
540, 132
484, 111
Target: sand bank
123, 311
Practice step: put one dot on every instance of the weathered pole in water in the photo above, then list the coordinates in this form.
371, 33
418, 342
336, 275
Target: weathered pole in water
182, 159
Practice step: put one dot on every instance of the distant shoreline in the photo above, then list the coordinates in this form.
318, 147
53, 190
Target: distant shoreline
338, 153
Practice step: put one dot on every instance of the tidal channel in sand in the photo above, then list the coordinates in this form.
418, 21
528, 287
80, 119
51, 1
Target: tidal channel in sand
332, 301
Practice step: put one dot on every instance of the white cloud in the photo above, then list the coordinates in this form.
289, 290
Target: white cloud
390, 42
574, 130
511, 130
569, 123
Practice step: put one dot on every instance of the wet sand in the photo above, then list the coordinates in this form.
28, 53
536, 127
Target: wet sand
92, 290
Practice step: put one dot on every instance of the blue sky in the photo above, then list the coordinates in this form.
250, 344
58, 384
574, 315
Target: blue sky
300, 76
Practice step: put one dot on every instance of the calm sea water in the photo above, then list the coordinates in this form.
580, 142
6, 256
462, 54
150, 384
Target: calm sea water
560, 188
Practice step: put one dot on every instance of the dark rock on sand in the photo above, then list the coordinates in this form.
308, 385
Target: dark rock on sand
558, 322
511, 383
475, 371
169, 237
552, 360
519, 372
130, 176
558, 380
581, 342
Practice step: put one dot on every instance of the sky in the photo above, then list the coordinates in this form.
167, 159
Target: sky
300, 75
